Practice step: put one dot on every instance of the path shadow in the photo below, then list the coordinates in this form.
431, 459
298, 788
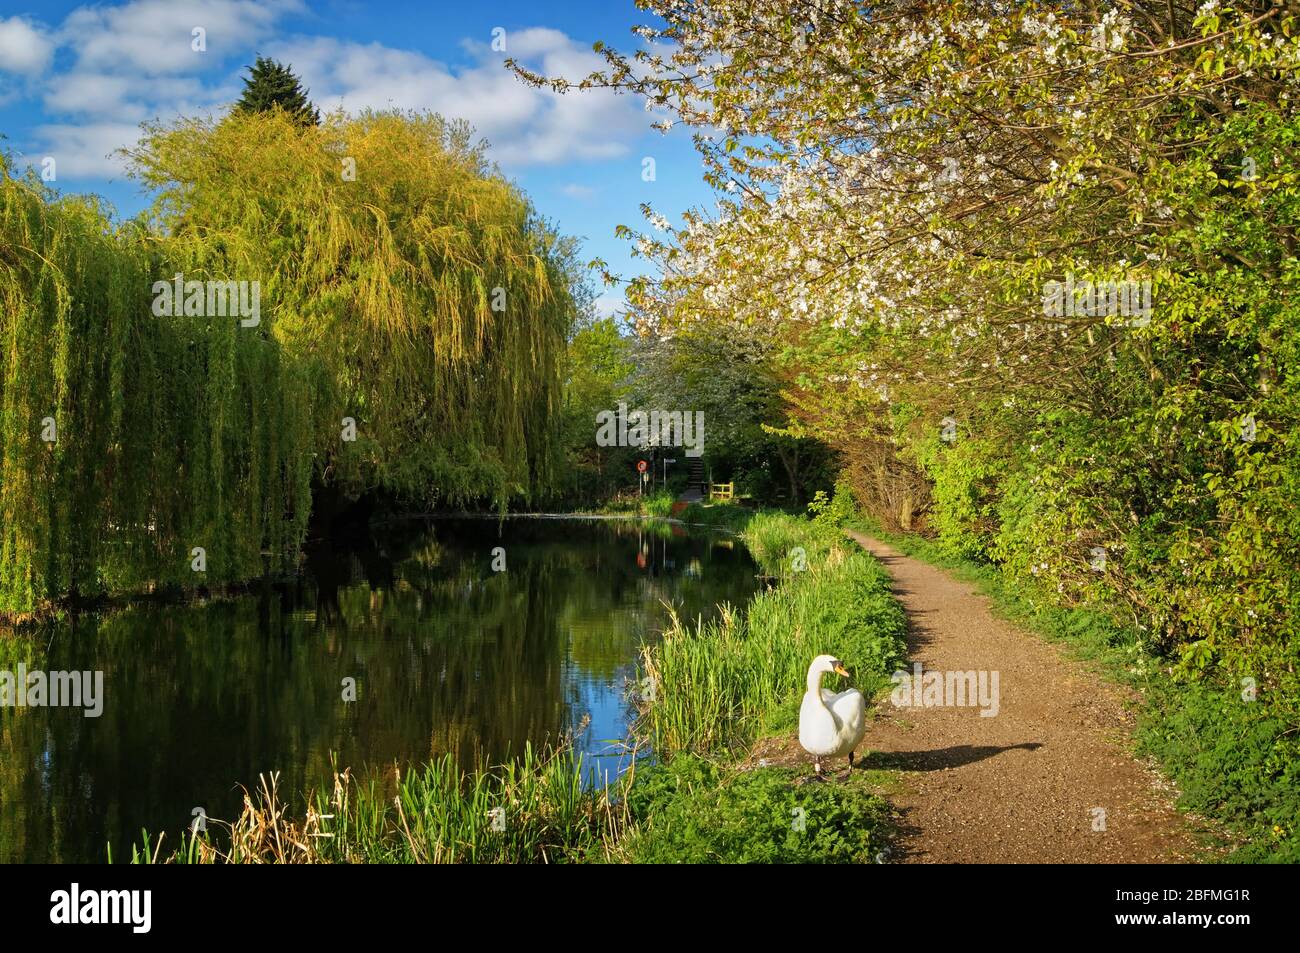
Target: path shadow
939, 758
901, 843
918, 633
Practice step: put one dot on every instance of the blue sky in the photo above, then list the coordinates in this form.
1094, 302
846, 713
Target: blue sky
77, 79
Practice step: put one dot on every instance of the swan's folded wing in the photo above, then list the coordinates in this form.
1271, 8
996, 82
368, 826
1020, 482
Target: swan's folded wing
819, 728
850, 710
846, 701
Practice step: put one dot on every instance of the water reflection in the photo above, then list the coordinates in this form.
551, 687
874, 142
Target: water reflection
448, 656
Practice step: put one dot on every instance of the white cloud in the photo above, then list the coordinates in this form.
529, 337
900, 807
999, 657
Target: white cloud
109, 97
579, 192
93, 93
87, 149
154, 37
134, 62
527, 44
608, 305
25, 48
525, 126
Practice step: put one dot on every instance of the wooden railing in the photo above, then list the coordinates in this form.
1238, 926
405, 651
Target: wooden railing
722, 491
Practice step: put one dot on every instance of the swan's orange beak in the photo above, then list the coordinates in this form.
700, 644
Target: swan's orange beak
841, 670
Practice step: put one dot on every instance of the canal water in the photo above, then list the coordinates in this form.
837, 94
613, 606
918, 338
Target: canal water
468, 636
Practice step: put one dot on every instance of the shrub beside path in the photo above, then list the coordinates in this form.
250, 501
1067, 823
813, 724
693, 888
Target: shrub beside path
1025, 785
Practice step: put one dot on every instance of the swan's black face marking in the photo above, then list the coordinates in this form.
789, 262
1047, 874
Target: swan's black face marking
838, 667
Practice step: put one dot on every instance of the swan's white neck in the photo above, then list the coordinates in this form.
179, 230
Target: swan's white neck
815, 681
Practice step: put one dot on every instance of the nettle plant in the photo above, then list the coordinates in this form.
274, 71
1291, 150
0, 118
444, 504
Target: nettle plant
898, 186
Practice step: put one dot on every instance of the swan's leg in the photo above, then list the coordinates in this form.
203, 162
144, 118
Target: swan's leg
817, 772
849, 772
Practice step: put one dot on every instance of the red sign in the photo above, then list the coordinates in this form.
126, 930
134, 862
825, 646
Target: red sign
642, 466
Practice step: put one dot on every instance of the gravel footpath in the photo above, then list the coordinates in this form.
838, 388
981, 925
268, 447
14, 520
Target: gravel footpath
1023, 786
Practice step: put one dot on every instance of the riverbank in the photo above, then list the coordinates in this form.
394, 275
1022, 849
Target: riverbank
725, 687
665, 505
708, 693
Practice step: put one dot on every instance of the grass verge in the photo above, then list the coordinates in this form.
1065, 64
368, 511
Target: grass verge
693, 810
722, 683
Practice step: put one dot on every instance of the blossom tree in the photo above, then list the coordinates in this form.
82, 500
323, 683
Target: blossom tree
903, 191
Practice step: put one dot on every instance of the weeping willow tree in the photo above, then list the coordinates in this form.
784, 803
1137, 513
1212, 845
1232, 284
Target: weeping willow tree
410, 337
129, 440
392, 257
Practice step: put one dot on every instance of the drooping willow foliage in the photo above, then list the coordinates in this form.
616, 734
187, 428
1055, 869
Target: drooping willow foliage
128, 439
388, 251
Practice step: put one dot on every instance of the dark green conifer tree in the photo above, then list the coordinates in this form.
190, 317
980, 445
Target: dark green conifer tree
271, 84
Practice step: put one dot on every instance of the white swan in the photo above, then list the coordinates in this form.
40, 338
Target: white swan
830, 723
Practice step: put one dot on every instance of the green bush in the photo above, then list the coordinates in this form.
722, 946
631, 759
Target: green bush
833, 512
1234, 760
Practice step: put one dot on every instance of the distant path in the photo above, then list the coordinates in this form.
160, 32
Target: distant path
1019, 787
